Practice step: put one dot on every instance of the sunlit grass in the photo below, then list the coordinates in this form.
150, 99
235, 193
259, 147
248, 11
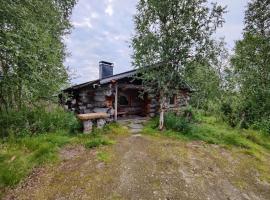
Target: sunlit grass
103, 156
211, 130
19, 155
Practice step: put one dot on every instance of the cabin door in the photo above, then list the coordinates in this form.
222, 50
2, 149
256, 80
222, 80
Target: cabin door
129, 102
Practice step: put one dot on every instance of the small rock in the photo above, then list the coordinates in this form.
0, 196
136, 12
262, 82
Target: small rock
101, 123
135, 126
135, 131
100, 165
137, 135
87, 126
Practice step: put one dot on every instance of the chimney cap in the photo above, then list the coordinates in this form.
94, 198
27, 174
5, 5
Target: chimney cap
105, 62
105, 69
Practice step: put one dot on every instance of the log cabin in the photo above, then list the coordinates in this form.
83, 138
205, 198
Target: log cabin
118, 96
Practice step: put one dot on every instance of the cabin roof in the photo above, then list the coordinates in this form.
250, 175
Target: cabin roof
104, 80
108, 79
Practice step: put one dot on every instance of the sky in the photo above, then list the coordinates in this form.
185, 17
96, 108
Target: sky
102, 30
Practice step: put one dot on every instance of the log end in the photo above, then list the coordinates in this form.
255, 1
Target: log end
89, 116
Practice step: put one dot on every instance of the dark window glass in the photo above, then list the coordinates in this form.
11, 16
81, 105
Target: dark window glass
123, 101
172, 100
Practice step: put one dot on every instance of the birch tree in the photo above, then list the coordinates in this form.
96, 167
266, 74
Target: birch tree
171, 35
32, 51
251, 64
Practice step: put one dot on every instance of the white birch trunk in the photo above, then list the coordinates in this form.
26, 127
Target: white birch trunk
161, 115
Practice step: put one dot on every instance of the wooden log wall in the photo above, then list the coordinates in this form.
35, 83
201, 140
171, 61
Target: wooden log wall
92, 100
181, 101
152, 107
101, 98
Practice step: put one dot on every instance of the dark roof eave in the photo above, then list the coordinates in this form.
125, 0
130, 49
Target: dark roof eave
116, 77
103, 81
89, 83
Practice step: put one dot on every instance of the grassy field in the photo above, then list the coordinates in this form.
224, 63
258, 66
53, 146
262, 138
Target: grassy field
140, 166
211, 130
18, 156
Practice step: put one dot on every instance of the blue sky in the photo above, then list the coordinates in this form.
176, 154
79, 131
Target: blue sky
102, 31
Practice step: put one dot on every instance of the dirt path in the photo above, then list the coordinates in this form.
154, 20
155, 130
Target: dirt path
143, 167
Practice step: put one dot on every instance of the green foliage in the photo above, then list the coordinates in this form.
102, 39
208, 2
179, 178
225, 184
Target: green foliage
19, 155
103, 156
251, 65
170, 36
32, 51
96, 142
206, 82
177, 123
116, 129
263, 125
181, 122
229, 114
257, 17
208, 78
250, 106
209, 129
37, 120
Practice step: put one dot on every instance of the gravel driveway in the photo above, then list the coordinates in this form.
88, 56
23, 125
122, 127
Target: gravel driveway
144, 167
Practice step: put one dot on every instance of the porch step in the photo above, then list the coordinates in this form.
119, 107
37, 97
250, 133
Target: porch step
135, 128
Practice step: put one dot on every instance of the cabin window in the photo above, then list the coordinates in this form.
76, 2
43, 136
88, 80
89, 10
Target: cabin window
123, 101
172, 100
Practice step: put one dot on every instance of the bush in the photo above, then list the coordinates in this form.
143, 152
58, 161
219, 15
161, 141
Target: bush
37, 120
262, 125
228, 114
177, 123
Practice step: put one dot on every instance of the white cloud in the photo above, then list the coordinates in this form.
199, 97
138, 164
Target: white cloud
109, 8
85, 23
103, 29
94, 15
121, 37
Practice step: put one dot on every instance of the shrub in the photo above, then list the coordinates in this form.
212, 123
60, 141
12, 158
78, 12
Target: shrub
263, 125
29, 121
228, 114
177, 123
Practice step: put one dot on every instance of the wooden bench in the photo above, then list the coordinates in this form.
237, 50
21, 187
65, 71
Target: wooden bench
87, 120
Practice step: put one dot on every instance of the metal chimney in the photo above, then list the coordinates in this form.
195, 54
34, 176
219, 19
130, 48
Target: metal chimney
105, 69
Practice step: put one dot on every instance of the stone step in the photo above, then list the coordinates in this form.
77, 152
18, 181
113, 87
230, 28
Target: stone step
135, 126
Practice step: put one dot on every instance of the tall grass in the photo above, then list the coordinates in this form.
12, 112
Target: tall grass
19, 155
211, 130
177, 123
36, 120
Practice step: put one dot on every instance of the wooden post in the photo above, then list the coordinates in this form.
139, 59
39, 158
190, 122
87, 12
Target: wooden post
115, 101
